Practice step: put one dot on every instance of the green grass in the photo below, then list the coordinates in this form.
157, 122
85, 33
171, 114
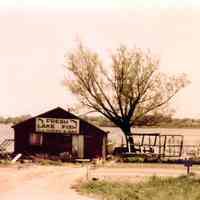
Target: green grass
4, 162
181, 188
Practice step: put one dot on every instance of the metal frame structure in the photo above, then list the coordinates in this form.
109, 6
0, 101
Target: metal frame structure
157, 144
5, 144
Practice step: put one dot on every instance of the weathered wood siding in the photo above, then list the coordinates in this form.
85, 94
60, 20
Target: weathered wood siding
57, 142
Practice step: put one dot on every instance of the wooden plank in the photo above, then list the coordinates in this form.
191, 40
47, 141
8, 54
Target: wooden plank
17, 157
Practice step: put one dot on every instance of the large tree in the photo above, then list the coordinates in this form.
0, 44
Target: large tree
126, 88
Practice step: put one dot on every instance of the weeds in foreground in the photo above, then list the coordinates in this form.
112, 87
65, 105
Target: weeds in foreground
156, 188
4, 162
50, 162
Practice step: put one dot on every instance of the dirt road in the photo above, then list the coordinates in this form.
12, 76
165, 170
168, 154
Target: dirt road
40, 183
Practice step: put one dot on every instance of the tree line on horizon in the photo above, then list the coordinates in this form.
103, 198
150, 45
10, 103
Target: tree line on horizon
14, 120
156, 120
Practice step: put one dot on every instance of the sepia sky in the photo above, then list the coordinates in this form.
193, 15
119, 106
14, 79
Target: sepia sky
35, 35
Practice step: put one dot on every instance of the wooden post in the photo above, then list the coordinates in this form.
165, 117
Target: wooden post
160, 147
181, 148
188, 165
87, 172
164, 148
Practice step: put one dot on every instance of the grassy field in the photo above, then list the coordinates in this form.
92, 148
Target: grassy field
181, 188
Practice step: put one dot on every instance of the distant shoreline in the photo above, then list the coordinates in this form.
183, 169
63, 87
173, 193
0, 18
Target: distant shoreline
144, 127
155, 127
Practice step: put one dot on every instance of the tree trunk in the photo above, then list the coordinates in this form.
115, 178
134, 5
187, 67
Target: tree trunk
129, 139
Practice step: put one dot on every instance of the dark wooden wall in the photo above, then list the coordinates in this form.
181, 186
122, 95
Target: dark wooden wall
56, 142
93, 146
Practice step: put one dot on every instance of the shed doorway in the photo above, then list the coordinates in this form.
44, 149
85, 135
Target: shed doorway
78, 146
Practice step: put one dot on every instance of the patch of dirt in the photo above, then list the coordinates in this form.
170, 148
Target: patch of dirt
137, 174
39, 183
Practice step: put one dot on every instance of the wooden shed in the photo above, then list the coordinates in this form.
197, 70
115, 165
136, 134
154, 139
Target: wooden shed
58, 131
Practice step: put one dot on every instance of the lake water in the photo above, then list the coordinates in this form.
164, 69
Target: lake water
6, 132
191, 136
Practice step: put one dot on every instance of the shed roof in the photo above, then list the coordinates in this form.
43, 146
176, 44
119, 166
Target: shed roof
58, 113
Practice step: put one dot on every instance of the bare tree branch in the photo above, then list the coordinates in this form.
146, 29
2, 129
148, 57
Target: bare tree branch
127, 89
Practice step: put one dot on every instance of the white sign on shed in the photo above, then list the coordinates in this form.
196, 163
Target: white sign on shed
55, 125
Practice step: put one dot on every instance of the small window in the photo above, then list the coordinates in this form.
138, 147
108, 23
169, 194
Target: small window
36, 139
